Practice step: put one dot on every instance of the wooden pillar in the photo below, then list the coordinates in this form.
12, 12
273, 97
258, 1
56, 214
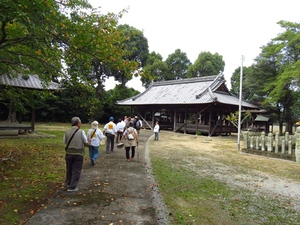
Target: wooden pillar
209, 123
185, 120
174, 123
153, 122
221, 125
32, 119
197, 122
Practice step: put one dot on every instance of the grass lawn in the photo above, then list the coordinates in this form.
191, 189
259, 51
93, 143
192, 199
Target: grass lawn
36, 171
184, 168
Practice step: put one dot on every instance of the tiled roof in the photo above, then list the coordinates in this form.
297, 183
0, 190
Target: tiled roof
198, 90
31, 81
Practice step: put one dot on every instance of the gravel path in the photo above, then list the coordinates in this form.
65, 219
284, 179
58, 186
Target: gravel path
262, 183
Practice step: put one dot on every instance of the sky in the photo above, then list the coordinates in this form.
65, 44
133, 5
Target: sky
231, 28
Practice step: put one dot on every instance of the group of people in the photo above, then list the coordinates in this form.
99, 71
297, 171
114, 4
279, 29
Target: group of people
125, 131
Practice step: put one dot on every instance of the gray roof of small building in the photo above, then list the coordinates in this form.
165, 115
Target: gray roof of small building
261, 118
197, 90
30, 81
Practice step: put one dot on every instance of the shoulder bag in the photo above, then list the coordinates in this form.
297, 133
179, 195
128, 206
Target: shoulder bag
71, 139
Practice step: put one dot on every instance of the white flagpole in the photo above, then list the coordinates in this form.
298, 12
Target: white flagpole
240, 105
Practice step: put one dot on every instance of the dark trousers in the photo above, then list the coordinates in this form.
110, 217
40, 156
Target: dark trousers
74, 166
128, 150
110, 142
119, 136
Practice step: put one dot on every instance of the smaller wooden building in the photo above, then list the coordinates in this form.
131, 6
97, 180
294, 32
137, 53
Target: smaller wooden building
31, 82
261, 123
192, 105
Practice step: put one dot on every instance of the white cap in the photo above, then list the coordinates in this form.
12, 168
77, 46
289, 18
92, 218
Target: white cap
94, 124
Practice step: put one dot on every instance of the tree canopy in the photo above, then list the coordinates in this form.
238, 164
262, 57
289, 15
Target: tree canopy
155, 69
70, 42
178, 64
273, 80
60, 40
137, 47
206, 64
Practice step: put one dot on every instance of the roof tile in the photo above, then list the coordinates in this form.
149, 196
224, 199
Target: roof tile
198, 90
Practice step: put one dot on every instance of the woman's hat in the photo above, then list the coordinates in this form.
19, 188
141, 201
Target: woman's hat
94, 124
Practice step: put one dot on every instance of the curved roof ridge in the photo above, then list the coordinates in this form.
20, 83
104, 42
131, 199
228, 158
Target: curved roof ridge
186, 80
212, 95
218, 81
215, 84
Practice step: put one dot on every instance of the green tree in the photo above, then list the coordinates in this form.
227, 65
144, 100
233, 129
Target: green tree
250, 86
178, 64
282, 55
33, 34
207, 64
137, 49
155, 69
58, 39
111, 97
273, 80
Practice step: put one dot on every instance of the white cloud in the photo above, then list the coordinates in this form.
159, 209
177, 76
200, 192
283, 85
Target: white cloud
135, 83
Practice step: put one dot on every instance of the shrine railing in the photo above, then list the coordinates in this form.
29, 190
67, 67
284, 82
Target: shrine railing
287, 146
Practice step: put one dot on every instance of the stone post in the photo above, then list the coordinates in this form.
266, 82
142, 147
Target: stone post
290, 147
286, 136
270, 142
257, 143
252, 142
276, 142
263, 141
297, 148
283, 146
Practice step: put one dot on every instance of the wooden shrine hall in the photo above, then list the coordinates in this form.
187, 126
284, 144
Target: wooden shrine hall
191, 105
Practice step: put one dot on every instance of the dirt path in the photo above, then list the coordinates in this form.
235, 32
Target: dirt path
113, 191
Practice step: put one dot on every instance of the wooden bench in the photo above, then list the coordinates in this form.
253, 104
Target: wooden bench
13, 129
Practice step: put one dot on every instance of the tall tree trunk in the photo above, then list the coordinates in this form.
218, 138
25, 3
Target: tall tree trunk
12, 115
289, 127
32, 119
280, 128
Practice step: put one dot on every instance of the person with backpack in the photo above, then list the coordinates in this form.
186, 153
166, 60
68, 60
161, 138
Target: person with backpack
137, 124
95, 135
131, 140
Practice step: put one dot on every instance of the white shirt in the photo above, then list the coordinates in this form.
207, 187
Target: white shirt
111, 128
156, 128
96, 138
121, 125
141, 123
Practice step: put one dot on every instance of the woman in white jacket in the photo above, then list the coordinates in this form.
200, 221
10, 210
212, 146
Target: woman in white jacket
94, 135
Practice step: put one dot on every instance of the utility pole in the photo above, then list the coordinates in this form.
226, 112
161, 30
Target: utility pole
240, 104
